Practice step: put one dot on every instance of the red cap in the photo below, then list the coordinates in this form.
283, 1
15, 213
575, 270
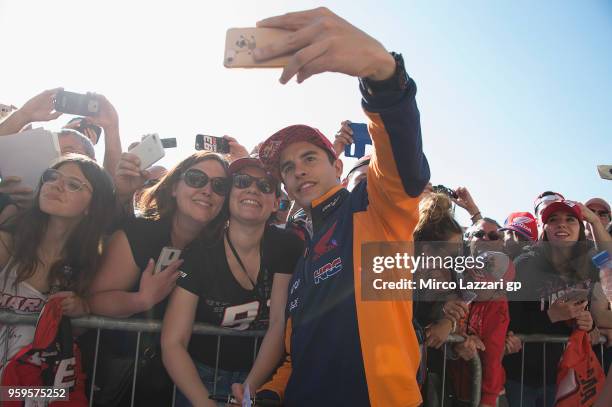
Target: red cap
241, 163
270, 150
523, 223
565, 206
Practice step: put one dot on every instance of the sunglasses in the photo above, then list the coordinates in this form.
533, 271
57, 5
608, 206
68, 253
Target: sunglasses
265, 185
72, 184
284, 205
492, 235
195, 178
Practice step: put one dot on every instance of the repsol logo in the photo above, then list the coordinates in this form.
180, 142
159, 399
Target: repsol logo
328, 270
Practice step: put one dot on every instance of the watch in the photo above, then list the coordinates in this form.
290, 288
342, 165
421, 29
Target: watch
397, 82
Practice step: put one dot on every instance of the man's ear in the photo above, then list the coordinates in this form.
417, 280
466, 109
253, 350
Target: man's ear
338, 167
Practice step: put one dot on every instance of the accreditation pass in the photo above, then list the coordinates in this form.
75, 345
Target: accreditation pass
31, 393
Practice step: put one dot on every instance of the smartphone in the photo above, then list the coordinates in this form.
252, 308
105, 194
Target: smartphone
605, 171
361, 137
240, 43
468, 296
167, 256
576, 295
76, 103
150, 151
212, 143
169, 142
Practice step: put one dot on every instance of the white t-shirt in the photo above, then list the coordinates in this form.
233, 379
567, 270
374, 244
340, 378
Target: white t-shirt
22, 299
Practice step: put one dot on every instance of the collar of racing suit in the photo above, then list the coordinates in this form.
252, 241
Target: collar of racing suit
324, 206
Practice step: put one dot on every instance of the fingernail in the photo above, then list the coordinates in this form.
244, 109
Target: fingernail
257, 53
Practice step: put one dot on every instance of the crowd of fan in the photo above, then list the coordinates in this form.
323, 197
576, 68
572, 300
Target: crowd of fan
92, 234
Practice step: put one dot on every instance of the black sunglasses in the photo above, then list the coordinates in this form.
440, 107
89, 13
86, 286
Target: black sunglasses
198, 179
265, 185
492, 235
284, 205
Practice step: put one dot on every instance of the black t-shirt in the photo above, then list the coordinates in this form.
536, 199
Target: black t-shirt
147, 238
224, 302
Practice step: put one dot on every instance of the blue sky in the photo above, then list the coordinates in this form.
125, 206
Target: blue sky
515, 97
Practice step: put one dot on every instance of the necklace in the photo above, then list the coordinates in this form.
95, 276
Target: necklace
239, 260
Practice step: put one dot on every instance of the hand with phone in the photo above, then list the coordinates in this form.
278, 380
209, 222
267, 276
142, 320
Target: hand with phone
20, 195
455, 309
128, 177
40, 108
464, 200
343, 138
236, 150
321, 41
562, 310
155, 287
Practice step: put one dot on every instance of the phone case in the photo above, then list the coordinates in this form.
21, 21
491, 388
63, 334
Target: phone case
76, 103
240, 43
212, 143
605, 171
150, 150
167, 256
361, 138
168, 142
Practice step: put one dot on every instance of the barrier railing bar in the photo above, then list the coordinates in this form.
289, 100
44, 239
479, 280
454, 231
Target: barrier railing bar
135, 369
95, 366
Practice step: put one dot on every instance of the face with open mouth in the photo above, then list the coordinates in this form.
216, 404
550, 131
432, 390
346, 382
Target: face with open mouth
249, 203
562, 229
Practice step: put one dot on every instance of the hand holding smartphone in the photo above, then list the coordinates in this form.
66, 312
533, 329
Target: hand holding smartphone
361, 137
76, 103
167, 256
149, 151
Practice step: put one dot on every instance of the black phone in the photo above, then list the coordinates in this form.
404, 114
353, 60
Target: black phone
212, 143
168, 142
76, 103
445, 190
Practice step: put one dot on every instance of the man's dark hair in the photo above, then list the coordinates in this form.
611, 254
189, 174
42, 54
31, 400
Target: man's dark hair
490, 220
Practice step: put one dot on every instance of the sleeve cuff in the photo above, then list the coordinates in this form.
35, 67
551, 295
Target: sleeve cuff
268, 395
385, 100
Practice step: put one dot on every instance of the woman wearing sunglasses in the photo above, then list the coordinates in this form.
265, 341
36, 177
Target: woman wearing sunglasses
559, 290
184, 206
238, 282
52, 248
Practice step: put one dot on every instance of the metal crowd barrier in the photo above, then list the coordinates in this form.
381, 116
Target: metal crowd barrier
131, 325
546, 339
140, 325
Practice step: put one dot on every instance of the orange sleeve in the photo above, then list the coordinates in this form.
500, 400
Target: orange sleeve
279, 380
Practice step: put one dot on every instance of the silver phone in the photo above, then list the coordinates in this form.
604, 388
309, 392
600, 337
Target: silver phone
167, 256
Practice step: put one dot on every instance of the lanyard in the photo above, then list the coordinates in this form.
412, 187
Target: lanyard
235, 252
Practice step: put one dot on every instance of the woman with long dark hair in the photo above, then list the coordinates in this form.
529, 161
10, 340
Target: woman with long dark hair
53, 248
558, 279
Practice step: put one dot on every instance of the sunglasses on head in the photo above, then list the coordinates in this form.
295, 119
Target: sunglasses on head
492, 235
72, 184
195, 178
284, 205
265, 185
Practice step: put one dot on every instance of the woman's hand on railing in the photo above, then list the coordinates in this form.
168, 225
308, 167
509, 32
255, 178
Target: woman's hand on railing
437, 333
72, 305
513, 343
469, 348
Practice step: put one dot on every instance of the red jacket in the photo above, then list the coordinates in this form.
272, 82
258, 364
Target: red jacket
489, 321
52, 360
